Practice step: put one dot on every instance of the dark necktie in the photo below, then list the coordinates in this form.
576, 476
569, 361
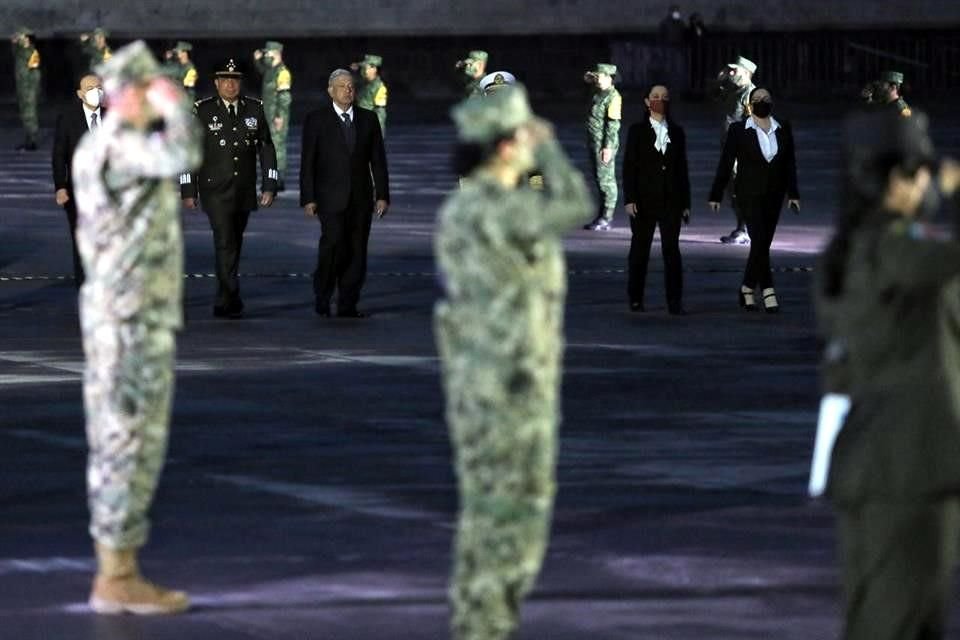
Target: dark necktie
233, 111
348, 131
93, 121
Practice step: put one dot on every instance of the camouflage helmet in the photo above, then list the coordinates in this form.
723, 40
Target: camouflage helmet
133, 63
183, 46
893, 77
23, 31
372, 60
495, 81
606, 69
273, 45
479, 55
500, 113
100, 31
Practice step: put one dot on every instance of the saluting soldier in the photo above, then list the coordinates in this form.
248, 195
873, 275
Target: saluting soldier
235, 132
276, 96
371, 90
95, 47
491, 84
182, 68
892, 82
474, 67
603, 141
27, 77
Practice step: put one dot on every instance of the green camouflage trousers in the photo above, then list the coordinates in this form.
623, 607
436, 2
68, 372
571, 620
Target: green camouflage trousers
127, 390
27, 99
505, 453
605, 177
279, 137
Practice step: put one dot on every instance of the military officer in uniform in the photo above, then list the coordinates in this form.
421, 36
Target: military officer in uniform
474, 67
95, 46
892, 82
491, 84
182, 68
371, 90
276, 97
27, 77
603, 141
235, 132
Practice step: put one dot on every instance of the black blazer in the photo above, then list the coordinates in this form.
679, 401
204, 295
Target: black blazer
658, 183
330, 174
756, 176
71, 126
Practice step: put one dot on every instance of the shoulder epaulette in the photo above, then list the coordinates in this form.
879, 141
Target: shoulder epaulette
204, 101
252, 99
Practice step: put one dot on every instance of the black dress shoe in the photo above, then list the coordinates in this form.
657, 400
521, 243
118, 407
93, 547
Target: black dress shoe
233, 311
351, 313
637, 307
676, 309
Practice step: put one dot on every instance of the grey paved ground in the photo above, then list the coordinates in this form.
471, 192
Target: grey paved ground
309, 493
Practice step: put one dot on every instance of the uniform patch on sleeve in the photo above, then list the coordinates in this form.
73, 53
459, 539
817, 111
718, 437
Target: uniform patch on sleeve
380, 100
284, 80
615, 110
34, 61
190, 80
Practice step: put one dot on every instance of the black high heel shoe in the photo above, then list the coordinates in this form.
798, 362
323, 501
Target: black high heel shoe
748, 301
770, 302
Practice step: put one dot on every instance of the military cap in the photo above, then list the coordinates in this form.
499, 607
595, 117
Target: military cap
874, 134
273, 45
606, 69
23, 31
183, 46
372, 60
477, 54
893, 77
498, 114
496, 80
132, 63
744, 63
228, 69
100, 31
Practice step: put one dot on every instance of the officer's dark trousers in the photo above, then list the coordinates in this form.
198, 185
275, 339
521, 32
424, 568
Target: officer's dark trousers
228, 227
71, 210
642, 227
342, 255
761, 213
898, 561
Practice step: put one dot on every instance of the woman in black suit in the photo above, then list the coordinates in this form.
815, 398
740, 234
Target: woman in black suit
763, 149
657, 192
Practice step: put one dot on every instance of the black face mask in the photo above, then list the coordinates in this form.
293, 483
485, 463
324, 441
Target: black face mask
762, 109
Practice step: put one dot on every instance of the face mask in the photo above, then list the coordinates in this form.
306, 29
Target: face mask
93, 96
658, 106
762, 109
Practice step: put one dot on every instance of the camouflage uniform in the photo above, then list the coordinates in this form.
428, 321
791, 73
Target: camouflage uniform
469, 66
373, 95
184, 74
899, 105
603, 132
276, 97
27, 76
129, 237
94, 55
499, 334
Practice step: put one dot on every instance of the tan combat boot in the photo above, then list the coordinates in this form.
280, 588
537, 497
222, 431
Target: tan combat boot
119, 588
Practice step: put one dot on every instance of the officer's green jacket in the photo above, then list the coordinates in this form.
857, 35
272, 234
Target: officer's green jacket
893, 346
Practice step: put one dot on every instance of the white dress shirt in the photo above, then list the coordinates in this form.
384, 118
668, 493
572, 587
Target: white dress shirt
340, 111
87, 112
662, 138
767, 139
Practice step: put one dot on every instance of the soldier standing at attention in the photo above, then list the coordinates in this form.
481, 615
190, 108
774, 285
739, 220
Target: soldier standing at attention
131, 304
892, 82
371, 91
499, 332
276, 97
184, 71
735, 83
27, 76
95, 46
234, 133
474, 67
603, 141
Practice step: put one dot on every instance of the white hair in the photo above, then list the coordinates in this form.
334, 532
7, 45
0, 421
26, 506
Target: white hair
336, 74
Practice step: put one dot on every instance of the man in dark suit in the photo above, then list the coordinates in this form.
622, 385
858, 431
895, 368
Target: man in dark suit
766, 161
235, 131
71, 125
343, 181
656, 186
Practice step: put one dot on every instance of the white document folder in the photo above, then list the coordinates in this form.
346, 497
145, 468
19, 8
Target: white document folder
834, 408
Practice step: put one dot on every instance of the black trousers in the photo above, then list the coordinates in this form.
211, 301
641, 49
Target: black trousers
71, 210
642, 227
898, 562
761, 213
228, 227
342, 255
